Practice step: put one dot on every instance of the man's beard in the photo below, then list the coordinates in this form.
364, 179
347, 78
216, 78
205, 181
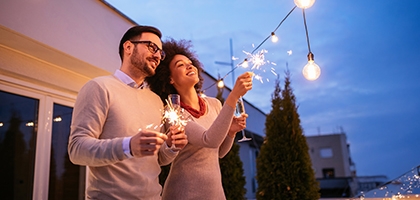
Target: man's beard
141, 64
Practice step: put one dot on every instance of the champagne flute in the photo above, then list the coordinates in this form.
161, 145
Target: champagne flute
240, 109
175, 109
175, 100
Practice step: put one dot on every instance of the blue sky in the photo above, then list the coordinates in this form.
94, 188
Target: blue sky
368, 52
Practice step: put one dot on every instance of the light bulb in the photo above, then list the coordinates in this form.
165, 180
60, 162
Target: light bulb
304, 4
274, 37
220, 84
311, 71
245, 64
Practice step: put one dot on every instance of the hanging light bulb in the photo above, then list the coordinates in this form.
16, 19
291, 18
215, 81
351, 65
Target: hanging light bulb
274, 37
245, 64
220, 83
304, 4
311, 71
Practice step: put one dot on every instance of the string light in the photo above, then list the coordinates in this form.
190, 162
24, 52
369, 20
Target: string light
311, 71
274, 37
245, 63
220, 83
304, 4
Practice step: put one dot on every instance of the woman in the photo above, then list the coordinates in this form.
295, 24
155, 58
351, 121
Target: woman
195, 172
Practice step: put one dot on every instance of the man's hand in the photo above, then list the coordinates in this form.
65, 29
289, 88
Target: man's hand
146, 143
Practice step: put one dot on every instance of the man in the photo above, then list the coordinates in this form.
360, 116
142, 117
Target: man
116, 123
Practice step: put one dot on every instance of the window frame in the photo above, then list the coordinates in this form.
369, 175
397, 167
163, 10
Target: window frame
47, 97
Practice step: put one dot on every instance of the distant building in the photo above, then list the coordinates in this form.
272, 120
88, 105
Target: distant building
334, 168
368, 183
330, 155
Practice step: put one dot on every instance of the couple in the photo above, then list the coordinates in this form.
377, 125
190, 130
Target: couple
114, 119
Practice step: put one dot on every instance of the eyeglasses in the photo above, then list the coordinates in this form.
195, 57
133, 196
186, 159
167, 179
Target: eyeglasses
153, 48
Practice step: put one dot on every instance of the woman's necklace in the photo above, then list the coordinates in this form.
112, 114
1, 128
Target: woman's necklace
195, 113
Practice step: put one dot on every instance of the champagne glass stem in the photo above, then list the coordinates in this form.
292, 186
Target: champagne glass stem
240, 109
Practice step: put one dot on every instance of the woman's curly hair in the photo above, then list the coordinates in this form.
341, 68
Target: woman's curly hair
160, 82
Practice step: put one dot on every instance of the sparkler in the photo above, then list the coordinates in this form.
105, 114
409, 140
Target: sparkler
257, 60
173, 114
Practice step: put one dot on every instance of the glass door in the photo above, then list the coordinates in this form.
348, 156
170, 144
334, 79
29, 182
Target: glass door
18, 134
34, 131
67, 181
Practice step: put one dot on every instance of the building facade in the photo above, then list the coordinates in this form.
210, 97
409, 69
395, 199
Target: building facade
334, 168
330, 155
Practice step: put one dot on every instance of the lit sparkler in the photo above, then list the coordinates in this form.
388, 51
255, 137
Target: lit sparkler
257, 60
174, 114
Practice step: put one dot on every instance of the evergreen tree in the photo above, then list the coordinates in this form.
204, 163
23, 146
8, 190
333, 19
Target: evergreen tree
284, 169
233, 179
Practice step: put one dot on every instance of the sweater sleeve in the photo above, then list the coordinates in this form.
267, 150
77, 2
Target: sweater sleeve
226, 146
166, 154
217, 132
89, 116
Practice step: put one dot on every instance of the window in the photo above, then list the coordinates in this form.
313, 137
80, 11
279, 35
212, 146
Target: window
326, 152
34, 131
65, 177
18, 133
328, 173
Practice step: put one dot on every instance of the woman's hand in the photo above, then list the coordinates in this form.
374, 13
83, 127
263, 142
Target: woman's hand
238, 124
242, 85
177, 137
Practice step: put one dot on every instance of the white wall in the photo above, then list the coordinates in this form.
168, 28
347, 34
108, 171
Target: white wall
87, 30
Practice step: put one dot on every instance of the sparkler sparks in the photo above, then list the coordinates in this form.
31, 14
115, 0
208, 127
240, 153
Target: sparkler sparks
257, 60
152, 126
174, 114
